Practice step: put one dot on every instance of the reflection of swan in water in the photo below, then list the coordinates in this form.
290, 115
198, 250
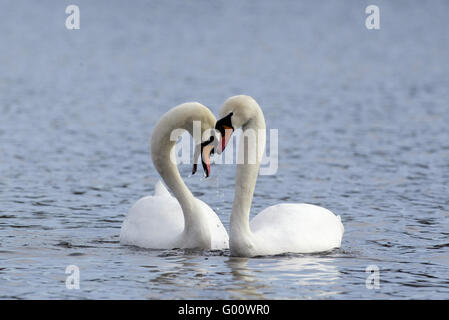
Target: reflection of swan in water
184, 276
308, 270
253, 278
245, 283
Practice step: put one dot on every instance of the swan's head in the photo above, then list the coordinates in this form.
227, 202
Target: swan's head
236, 112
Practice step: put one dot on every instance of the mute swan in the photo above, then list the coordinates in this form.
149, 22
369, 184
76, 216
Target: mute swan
286, 227
165, 222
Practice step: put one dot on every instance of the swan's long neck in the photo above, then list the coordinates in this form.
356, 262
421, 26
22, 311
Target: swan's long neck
195, 224
246, 177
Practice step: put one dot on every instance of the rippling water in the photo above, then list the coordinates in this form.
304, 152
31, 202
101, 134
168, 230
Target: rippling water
363, 130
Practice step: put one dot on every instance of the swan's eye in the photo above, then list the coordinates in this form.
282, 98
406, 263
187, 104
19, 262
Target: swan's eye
224, 122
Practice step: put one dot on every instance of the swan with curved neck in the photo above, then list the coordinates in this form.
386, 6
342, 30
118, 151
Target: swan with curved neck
183, 221
290, 227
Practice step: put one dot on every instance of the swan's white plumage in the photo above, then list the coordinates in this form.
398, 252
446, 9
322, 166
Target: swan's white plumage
157, 222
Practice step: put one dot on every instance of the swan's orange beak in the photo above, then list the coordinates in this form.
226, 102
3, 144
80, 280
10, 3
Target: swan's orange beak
225, 137
205, 158
207, 148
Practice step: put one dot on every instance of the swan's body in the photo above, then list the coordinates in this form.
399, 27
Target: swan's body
157, 221
300, 228
293, 227
165, 222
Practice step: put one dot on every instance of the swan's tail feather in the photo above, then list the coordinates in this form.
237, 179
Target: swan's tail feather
160, 189
341, 225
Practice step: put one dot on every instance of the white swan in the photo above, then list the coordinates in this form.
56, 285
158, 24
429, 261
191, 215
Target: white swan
287, 227
162, 221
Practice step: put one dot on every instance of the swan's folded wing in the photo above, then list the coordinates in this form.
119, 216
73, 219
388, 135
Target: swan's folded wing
153, 222
300, 228
160, 189
219, 235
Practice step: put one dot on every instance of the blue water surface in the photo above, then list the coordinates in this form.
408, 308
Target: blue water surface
362, 117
